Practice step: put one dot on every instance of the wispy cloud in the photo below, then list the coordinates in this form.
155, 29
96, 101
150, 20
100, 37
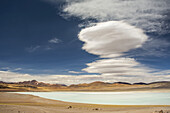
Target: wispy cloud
145, 14
54, 40
10, 69
49, 45
74, 72
5, 68
153, 47
17, 69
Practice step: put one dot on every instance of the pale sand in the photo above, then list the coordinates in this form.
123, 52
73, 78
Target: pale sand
19, 103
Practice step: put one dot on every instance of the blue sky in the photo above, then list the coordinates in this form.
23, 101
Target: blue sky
79, 41
26, 29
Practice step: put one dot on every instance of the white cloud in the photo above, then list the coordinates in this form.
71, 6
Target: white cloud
8, 76
113, 39
75, 72
12, 76
144, 14
5, 68
118, 67
149, 15
54, 40
110, 39
17, 69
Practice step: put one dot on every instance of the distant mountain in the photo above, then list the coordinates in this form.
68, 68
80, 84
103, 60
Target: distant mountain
93, 84
33, 82
34, 85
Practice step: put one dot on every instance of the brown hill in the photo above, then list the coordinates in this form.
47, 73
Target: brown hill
34, 85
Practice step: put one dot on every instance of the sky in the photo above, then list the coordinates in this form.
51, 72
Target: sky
82, 41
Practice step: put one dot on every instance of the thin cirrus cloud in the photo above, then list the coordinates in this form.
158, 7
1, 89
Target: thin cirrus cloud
145, 14
47, 46
153, 47
54, 40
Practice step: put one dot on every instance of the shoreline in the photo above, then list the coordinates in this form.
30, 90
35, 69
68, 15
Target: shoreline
11, 102
130, 90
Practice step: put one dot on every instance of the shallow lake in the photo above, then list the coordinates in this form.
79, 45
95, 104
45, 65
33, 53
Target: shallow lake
109, 98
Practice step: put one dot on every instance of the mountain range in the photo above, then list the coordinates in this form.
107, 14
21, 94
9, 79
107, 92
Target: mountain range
34, 85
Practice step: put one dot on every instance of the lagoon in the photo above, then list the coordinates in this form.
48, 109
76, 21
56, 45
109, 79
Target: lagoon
108, 98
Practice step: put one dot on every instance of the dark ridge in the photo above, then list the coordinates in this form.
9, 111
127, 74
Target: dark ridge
122, 83
140, 83
63, 85
2, 82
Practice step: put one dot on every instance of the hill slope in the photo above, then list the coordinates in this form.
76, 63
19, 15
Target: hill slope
94, 86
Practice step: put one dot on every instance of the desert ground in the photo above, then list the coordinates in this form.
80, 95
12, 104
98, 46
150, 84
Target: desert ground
19, 103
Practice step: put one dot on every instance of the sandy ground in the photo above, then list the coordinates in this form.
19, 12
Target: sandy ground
19, 103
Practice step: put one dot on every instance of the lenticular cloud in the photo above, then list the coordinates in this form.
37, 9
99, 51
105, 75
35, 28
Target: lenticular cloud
111, 39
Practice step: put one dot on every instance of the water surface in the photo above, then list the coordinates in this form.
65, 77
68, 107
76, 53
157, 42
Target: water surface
109, 98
